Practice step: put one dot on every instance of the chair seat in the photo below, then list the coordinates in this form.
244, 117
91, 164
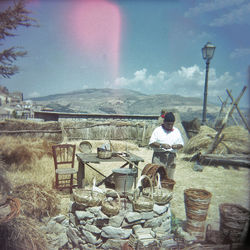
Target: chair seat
64, 157
66, 171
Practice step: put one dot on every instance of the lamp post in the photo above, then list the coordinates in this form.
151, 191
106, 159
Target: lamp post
207, 54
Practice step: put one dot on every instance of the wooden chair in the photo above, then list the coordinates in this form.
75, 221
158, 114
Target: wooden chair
64, 157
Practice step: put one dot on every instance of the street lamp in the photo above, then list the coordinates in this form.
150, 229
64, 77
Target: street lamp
207, 54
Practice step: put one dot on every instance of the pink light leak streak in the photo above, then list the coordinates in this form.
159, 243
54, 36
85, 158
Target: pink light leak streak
95, 26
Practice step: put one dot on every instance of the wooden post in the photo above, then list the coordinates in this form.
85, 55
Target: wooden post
240, 114
224, 122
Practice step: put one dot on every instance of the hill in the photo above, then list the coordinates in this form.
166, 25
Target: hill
125, 101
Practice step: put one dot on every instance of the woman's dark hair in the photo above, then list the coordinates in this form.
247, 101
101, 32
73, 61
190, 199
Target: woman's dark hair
169, 117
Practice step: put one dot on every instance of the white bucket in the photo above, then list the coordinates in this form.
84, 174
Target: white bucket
124, 179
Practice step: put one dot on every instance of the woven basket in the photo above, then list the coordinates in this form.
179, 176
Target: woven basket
141, 202
15, 206
151, 170
85, 147
168, 184
197, 202
161, 195
233, 220
112, 207
88, 197
104, 154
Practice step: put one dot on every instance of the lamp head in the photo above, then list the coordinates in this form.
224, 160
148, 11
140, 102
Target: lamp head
208, 51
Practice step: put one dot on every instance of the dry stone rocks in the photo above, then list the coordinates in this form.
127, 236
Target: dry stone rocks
90, 228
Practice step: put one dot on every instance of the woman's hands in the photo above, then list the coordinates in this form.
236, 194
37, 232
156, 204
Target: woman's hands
165, 146
177, 146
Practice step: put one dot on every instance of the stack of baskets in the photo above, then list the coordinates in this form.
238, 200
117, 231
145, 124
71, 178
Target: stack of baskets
151, 171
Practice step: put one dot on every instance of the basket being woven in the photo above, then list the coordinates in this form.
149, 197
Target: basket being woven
142, 202
111, 207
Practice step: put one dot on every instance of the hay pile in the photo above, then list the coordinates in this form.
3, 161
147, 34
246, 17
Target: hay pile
22, 233
235, 141
37, 200
23, 151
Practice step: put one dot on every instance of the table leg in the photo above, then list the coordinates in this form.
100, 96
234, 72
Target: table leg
136, 175
80, 175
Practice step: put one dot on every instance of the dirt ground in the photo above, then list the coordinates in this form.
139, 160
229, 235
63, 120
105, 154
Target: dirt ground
227, 184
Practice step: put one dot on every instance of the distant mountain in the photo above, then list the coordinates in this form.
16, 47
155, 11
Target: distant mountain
125, 101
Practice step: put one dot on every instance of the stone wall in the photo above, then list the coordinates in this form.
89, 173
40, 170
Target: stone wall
90, 228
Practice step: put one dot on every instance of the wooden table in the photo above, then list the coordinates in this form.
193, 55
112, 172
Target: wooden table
130, 160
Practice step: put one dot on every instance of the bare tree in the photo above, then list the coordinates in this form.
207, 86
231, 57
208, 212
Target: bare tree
10, 19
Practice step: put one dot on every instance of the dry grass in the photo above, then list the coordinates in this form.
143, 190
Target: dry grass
37, 200
227, 185
19, 124
22, 233
17, 154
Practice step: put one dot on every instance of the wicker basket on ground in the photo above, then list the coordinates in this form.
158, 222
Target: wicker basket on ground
89, 197
234, 222
161, 195
111, 204
142, 202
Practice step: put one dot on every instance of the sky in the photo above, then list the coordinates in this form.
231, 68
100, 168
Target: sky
151, 46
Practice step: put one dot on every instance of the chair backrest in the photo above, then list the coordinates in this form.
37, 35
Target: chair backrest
64, 155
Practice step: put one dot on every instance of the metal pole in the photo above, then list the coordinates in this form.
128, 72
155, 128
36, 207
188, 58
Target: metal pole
205, 94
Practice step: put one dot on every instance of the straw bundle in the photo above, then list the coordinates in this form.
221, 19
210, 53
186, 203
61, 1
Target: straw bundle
37, 200
22, 233
235, 140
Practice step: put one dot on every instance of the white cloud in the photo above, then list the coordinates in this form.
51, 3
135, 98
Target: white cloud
140, 74
240, 53
85, 86
33, 94
208, 6
239, 15
186, 81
